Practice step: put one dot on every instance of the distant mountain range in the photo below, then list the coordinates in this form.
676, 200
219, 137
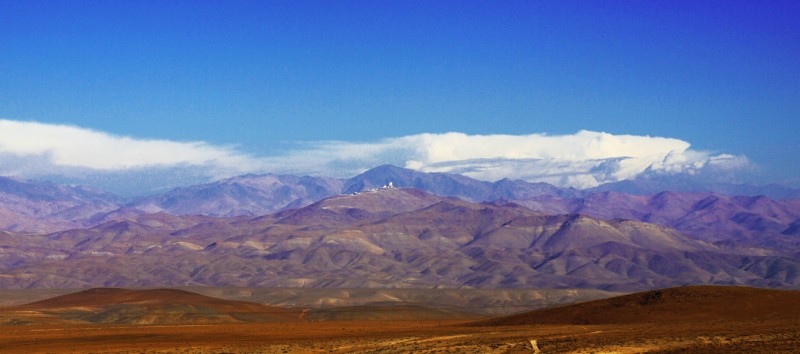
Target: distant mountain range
652, 184
728, 221
245, 195
44, 207
386, 238
431, 230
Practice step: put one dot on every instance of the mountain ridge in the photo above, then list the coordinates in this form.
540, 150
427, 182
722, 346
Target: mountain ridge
393, 237
45, 207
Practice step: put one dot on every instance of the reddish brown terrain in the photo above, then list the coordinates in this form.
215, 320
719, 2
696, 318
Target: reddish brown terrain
680, 320
684, 304
151, 306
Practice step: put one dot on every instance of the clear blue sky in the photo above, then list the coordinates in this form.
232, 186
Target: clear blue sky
723, 75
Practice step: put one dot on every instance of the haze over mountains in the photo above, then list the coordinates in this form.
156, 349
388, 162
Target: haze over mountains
437, 230
42, 206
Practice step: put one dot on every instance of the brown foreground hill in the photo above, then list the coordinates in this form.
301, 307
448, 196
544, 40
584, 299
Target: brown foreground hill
682, 304
151, 306
678, 320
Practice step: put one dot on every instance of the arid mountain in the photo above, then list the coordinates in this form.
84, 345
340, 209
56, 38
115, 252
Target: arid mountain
694, 304
754, 223
244, 195
751, 224
402, 238
452, 185
650, 184
396, 237
31, 206
155, 306
738, 221
264, 194
44, 207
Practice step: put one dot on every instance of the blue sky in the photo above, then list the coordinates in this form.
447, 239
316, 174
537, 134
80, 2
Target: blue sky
263, 77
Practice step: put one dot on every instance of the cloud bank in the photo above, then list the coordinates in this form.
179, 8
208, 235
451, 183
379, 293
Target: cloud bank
584, 159
68, 146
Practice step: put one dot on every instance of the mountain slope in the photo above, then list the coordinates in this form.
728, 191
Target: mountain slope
749, 221
244, 195
385, 238
649, 184
732, 221
44, 207
451, 185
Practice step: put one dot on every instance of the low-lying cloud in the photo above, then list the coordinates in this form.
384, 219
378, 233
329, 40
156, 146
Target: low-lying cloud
584, 159
69, 146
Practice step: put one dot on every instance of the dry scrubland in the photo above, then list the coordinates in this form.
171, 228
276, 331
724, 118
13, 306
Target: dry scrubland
680, 320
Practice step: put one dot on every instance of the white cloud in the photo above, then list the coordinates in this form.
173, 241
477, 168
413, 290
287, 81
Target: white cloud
69, 146
584, 159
